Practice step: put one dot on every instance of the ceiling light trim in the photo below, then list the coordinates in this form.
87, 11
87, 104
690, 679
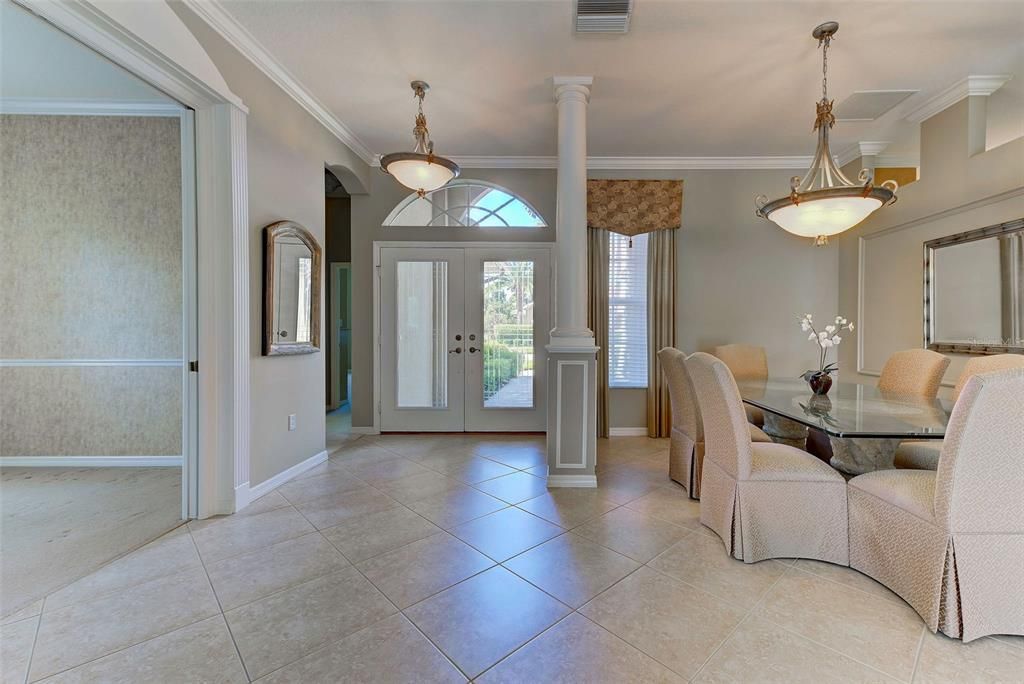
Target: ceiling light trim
971, 85
221, 21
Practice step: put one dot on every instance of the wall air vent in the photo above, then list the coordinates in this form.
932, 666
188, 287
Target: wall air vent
603, 16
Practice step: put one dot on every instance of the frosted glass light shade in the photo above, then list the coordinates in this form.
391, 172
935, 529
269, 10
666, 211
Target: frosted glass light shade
418, 172
825, 216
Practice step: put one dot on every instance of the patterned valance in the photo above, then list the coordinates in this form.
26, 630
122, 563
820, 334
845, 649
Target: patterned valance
632, 207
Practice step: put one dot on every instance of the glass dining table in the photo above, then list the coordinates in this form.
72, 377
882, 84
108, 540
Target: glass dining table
864, 425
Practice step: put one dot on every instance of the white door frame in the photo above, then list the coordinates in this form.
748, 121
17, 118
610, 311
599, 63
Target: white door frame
219, 476
378, 245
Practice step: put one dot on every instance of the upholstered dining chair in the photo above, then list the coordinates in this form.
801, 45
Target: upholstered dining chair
686, 449
764, 500
923, 454
746, 362
951, 541
916, 372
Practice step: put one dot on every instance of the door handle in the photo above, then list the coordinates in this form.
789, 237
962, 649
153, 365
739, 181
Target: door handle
457, 350
473, 350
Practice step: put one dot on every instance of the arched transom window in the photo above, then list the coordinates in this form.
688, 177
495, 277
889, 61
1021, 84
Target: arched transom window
468, 203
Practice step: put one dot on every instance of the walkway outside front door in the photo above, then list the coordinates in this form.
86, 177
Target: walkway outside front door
458, 331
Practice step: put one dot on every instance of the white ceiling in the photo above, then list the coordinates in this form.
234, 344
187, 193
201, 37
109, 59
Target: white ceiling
689, 79
40, 62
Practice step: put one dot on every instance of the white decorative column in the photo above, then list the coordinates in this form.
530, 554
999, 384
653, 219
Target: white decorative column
572, 356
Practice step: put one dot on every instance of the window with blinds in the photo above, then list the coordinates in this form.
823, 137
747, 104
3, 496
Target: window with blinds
627, 311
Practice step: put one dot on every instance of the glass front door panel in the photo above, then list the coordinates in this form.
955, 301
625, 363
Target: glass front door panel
507, 344
421, 334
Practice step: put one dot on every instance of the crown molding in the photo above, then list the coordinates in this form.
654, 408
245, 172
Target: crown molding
636, 163
58, 106
965, 87
239, 37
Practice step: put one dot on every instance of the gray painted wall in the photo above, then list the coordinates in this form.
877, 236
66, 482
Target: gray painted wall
956, 192
741, 279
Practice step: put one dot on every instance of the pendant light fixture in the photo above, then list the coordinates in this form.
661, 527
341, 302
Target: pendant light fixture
420, 170
825, 202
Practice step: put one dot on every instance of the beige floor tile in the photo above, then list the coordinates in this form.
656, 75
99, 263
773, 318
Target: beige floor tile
391, 651
506, 533
676, 624
16, 639
472, 469
518, 456
361, 454
761, 651
671, 504
283, 627
983, 660
166, 556
456, 506
847, 576
270, 501
200, 652
701, 560
31, 610
577, 650
633, 534
478, 622
328, 511
514, 488
625, 483
372, 535
336, 481
419, 486
422, 568
876, 631
234, 535
572, 569
91, 629
1012, 640
385, 471
569, 508
242, 579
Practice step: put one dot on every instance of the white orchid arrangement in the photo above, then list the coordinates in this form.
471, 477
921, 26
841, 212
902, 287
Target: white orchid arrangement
825, 339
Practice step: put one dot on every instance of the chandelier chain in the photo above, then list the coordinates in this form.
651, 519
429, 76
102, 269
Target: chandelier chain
823, 43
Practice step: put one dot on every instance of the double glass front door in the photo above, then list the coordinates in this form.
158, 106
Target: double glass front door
460, 335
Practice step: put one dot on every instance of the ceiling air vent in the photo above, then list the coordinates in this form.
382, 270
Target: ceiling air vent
603, 16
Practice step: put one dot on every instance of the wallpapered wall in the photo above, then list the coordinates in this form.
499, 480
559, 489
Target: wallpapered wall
90, 268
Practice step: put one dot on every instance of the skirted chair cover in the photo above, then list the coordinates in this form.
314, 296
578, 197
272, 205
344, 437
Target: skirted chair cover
686, 450
916, 372
764, 500
746, 362
951, 541
924, 454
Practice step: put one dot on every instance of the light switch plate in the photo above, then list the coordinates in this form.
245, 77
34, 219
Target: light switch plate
291, 422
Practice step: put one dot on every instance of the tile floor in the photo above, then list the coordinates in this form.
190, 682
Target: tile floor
438, 559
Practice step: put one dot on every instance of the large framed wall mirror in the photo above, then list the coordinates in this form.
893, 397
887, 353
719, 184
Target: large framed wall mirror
974, 290
291, 290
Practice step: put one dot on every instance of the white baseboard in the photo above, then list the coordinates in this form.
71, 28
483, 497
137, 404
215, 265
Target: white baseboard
628, 431
364, 430
90, 461
244, 494
572, 480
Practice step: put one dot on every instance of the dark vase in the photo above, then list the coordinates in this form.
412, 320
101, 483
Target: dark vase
820, 383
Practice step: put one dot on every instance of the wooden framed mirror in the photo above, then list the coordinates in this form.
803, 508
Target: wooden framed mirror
291, 290
974, 291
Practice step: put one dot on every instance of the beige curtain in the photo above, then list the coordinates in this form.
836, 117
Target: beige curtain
597, 317
661, 326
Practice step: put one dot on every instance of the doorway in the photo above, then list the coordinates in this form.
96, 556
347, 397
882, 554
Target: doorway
338, 340
457, 331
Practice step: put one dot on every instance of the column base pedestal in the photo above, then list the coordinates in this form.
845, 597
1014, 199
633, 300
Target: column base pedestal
572, 417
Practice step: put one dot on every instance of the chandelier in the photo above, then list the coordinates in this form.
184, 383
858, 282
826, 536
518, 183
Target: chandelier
420, 170
825, 202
